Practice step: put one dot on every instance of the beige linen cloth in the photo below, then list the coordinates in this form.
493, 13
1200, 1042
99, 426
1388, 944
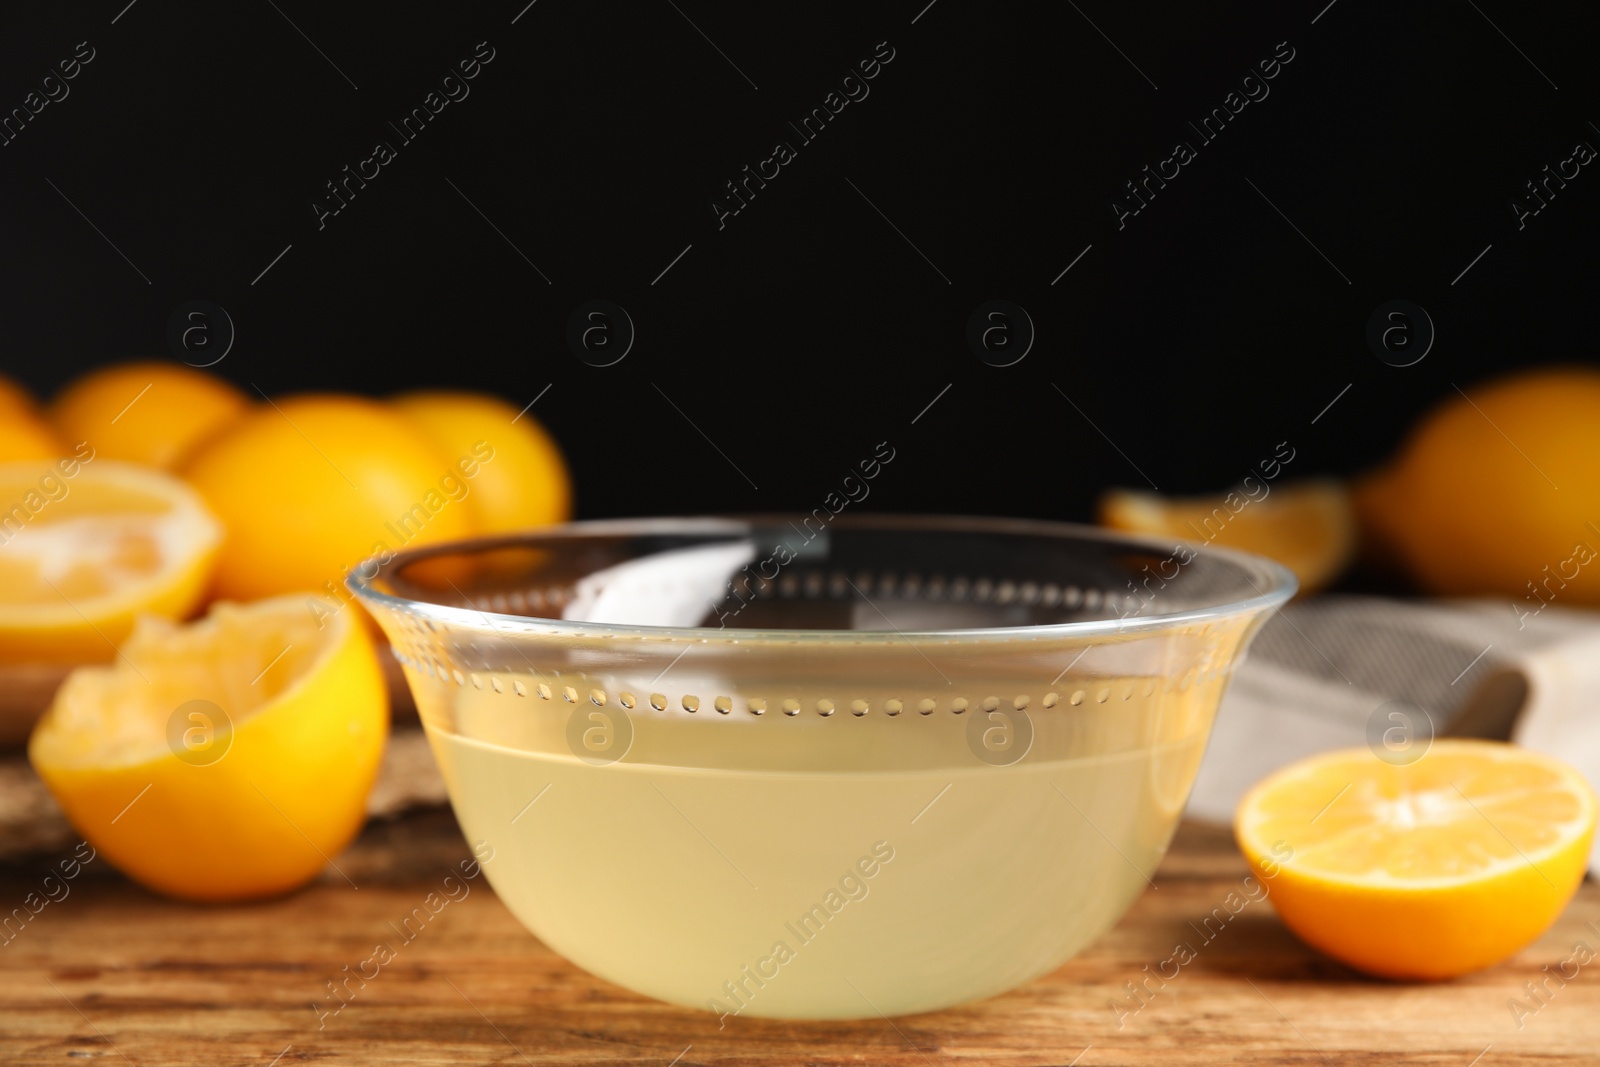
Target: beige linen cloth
1319, 674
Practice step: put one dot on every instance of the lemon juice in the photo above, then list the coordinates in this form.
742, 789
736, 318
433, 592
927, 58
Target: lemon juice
804, 864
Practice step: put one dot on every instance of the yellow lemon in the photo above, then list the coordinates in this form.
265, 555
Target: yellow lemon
87, 544
310, 486
1428, 870
520, 479
152, 413
1496, 491
14, 397
223, 760
23, 435
1307, 526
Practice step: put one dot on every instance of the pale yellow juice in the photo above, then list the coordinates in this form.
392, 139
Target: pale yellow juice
815, 866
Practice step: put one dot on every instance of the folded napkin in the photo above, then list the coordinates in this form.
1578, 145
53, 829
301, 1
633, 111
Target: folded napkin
1346, 671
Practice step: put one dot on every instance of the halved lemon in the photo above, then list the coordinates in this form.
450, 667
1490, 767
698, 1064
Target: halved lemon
1308, 526
85, 546
1428, 870
226, 759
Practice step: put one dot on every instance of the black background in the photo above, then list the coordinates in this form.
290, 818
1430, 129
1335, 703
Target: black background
808, 329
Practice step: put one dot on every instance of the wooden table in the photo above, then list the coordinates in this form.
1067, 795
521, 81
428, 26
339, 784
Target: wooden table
114, 974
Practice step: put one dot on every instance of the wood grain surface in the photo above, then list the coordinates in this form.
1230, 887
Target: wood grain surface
114, 974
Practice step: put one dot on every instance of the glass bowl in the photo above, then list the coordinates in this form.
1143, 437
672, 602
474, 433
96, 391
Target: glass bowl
819, 766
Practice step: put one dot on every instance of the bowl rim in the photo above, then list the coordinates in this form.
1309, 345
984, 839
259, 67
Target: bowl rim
1280, 582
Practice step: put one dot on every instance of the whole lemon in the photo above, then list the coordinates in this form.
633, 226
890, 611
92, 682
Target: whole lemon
309, 486
1497, 491
25, 436
522, 480
15, 397
148, 412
